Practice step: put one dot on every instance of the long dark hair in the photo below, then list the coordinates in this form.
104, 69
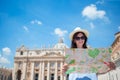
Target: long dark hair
73, 44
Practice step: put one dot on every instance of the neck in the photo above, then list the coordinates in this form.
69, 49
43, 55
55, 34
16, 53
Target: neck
79, 47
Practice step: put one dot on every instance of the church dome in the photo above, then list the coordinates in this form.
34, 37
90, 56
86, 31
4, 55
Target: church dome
60, 44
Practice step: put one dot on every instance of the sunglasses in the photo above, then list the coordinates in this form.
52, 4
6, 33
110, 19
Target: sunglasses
80, 38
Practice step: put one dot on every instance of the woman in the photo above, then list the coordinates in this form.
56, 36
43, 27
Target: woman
79, 40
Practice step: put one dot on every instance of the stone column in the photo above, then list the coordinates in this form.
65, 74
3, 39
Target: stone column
61, 75
65, 75
48, 71
40, 71
14, 71
43, 69
24, 71
56, 69
32, 71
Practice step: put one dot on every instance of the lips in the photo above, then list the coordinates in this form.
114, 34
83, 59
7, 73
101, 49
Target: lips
80, 43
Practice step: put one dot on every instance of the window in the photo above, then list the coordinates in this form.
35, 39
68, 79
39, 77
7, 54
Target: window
36, 64
21, 53
58, 70
46, 64
30, 53
58, 64
52, 64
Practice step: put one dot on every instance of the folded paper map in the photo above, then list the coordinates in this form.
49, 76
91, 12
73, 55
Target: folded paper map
93, 60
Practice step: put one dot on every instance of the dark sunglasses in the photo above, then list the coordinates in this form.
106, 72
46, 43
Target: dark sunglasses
78, 38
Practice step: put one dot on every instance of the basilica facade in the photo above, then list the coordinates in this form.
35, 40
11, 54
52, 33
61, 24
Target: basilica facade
46, 63
39, 64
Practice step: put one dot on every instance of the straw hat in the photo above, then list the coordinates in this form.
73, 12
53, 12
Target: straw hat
78, 29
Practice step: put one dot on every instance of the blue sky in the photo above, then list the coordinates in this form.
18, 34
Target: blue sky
34, 23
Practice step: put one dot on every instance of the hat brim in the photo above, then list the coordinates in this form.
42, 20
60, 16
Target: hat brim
84, 31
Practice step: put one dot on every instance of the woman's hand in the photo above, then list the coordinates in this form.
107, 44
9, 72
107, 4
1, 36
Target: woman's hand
64, 68
111, 65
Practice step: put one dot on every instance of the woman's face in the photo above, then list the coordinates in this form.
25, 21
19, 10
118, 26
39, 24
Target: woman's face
79, 40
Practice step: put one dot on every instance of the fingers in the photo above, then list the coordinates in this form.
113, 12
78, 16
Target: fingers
64, 68
111, 65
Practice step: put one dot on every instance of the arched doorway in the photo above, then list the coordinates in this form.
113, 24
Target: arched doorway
19, 75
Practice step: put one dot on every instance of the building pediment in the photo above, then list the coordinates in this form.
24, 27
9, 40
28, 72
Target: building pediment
22, 48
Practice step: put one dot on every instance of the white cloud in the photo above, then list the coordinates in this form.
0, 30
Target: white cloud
6, 50
4, 60
32, 22
36, 22
25, 28
92, 25
91, 12
60, 32
100, 2
119, 28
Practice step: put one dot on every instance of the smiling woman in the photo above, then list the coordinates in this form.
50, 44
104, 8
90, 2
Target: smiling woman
79, 40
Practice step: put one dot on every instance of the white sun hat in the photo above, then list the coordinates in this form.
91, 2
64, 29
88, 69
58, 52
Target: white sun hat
78, 29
